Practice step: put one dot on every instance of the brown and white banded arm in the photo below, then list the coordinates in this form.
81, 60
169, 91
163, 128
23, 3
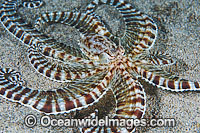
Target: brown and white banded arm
130, 103
14, 23
30, 36
140, 30
86, 24
158, 58
61, 73
99, 129
166, 81
77, 95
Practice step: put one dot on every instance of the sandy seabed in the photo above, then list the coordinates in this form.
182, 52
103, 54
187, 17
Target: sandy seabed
178, 35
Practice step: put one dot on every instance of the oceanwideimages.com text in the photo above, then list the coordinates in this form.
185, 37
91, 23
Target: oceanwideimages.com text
46, 121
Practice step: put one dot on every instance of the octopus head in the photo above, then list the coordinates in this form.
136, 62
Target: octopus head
100, 48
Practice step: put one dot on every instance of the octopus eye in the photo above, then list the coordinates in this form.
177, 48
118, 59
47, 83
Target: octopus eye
104, 58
